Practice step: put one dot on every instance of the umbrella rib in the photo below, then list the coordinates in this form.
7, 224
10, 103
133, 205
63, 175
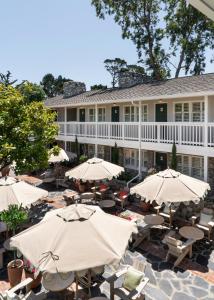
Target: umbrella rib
159, 189
189, 189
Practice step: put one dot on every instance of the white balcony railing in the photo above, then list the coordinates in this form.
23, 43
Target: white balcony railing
195, 134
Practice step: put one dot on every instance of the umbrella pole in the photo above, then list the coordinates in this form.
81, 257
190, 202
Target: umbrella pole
76, 290
170, 216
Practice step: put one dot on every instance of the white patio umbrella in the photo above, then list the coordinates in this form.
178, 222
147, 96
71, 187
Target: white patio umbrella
18, 192
170, 186
95, 169
62, 156
74, 238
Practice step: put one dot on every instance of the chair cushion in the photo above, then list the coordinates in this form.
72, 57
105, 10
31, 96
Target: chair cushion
123, 195
172, 241
205, 219
132, 279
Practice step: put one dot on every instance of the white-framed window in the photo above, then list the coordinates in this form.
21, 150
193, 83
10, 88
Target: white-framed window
130, 158
101, 151
189, 112
129, 113
144, 113
91, 114
101, 114
191, 165
91, 150
144, 159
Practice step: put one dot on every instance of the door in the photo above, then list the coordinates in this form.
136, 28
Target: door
115, 114
161, 112
82, 114
161, 161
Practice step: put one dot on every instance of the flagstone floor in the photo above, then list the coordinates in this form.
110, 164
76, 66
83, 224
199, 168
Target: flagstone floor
192, 280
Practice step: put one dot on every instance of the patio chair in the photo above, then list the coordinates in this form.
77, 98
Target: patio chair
177, 248
122, 197
16, 293
204, 221
132, 286
164, 211
142, 234
87, 198
102, 189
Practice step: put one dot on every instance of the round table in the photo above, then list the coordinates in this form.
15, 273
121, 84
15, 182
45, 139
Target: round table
107, 203
190, 232
153, 219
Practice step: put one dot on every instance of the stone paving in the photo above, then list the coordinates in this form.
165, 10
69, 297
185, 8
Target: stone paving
166, 284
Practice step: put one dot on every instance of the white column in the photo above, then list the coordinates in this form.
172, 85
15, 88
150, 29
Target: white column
206, 110
206, 168
65, 121
139, 137
96, 120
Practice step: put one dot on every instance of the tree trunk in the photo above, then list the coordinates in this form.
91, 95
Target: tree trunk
179, 64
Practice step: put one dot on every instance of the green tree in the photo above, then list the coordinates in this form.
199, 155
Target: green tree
31, 91
6, 78
26, 130
48, 85
166, 33
174, 157
190, 34
98, 87
114, 67
53, 86
139, 21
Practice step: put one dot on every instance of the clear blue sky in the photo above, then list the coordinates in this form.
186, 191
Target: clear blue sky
63, 37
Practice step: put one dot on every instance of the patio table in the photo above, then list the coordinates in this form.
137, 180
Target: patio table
107, 203
190, 232
153, 220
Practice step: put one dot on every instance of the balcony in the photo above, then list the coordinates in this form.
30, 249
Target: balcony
191, 134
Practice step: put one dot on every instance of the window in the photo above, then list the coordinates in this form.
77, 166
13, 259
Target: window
71, 114
130, 158
144, 113
144, 159
191, 165
144, 117
198, 111
101, 151
101, 114
189, 112
91, 150
60, 115
129, 113
91, 115
71, 147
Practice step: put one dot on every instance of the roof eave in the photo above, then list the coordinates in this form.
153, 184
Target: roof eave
161, 97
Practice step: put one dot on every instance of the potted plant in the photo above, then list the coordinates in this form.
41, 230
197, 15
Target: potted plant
30, 272
14, 216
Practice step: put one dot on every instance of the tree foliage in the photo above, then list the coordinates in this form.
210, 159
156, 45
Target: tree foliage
6, 78
26, 129
114, 67
98, 87
166, 33
53, 86
31, 91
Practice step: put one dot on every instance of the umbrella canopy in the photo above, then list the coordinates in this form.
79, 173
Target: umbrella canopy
74, 238
18, 192
171, 186
95, 169
62, 156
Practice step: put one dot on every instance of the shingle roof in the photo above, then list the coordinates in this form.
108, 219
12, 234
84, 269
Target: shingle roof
176, 86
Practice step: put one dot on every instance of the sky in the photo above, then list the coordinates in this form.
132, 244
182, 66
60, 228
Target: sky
62, 37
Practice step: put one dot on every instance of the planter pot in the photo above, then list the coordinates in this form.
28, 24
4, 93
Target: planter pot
36, 281
14, 270
145, 206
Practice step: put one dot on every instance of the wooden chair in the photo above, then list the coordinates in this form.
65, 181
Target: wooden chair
166, 213
204, 221
24, 286
87, 198
121, 198
141, 236
177, 248
123, 292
